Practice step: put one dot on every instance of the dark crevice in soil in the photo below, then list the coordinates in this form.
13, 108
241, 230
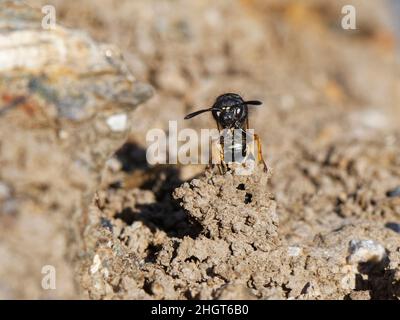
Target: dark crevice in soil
379, 280
165, 214
152, 252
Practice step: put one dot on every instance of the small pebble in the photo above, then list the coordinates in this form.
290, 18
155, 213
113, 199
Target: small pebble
62, 134
365, 251
117, 122
196, 183
96, 264
394, 192
114, 164
393, 226
294, 251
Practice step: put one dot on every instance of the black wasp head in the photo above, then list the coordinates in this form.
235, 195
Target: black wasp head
229, 110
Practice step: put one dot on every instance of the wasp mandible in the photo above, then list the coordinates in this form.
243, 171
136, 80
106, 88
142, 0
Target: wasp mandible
231, 114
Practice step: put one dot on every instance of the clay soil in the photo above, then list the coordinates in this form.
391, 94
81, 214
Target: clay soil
324, 222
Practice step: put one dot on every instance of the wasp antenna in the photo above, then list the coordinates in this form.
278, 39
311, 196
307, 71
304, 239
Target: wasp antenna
193, 114
253, 102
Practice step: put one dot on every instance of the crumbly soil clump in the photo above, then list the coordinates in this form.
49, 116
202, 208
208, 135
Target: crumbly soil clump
230, 247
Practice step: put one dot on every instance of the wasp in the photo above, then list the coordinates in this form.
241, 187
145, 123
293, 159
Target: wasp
235, 147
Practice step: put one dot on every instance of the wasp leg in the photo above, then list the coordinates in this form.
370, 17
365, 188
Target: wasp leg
259, 152
217, 156
222, 165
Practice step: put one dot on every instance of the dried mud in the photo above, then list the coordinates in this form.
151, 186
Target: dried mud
324, 222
